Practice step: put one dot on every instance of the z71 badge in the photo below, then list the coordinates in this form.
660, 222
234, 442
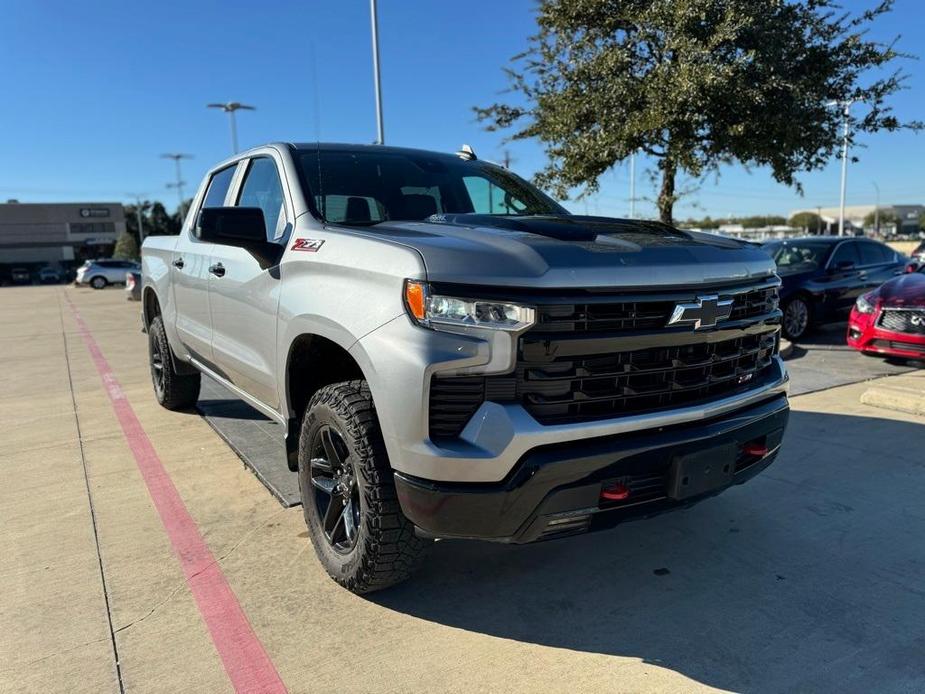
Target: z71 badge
308, 245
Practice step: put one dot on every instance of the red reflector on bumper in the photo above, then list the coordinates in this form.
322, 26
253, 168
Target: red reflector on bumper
615, 492
759, 450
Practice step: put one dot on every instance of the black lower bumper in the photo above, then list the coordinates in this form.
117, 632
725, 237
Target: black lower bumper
556, 490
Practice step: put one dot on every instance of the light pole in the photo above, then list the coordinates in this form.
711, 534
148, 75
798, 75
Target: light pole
138, 217
877, 209
846, 113
633, 185
177, 156
374, 19
230, 108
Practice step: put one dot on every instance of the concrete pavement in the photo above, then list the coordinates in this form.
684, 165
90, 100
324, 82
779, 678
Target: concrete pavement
807, 578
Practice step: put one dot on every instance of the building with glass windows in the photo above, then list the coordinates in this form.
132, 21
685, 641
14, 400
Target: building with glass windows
60, 235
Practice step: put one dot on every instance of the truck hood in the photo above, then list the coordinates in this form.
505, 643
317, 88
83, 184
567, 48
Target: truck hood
905, 291
573, 251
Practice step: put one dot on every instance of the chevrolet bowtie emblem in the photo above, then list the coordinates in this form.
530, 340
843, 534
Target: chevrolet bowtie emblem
704, 313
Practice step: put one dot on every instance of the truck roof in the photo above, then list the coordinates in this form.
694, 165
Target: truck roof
347, 147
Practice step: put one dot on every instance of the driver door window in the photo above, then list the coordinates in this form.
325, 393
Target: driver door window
262, 188
846, 252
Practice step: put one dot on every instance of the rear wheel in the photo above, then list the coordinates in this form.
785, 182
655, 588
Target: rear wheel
173, 390
797, 318
351, 509
98, 282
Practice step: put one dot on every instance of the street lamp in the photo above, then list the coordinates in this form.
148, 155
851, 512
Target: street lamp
138, 217
633, 185
176, 156
877, 209
846, 112
230, 108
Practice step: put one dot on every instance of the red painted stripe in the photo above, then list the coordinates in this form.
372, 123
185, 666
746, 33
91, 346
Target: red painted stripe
245, 660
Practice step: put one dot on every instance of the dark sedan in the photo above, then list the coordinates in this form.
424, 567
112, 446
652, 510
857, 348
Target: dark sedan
823, 277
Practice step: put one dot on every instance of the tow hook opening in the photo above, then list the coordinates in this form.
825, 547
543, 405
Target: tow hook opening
756, 448
615, 491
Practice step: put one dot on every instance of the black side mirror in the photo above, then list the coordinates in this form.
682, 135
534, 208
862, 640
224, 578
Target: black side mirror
232, 226
843, 265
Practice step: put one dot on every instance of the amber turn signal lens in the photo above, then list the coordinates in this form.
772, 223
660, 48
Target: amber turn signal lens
414, 298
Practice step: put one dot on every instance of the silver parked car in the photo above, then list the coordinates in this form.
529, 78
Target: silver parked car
99, 273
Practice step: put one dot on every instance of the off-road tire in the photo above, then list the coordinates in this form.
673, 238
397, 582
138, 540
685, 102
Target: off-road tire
172, 390
99, 282
386, 551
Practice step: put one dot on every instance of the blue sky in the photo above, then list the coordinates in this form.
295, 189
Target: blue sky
96, 91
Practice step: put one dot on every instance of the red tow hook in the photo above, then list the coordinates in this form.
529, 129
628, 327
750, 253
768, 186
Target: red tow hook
615, 492
758, 449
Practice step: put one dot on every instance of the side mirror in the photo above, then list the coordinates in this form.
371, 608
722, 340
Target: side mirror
843, 265
232, 226
913, 267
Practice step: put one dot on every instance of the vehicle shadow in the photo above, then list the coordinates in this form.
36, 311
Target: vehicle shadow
827, 336
808, 577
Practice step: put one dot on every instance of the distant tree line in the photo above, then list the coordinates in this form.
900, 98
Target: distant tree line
156, 221
754, 222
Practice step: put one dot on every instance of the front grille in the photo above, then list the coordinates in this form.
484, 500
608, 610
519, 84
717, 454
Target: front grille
643, 314
906, 321
638, 381
588, 360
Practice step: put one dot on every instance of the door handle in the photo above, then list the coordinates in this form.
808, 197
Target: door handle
178, 263
217, 269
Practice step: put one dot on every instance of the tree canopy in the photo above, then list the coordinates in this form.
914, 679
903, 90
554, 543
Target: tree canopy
126, 247
694, 84
807, 220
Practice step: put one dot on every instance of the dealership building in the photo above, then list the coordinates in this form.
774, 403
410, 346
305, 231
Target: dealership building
906, 216
60, 235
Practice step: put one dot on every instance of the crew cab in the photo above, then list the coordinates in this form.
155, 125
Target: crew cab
455, 355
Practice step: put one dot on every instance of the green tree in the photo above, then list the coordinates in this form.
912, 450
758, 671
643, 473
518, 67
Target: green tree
126, 247
694, 84
809, 221
886, 218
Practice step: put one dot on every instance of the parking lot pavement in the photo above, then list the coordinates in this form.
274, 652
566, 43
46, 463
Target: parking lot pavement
807, 578
823, 360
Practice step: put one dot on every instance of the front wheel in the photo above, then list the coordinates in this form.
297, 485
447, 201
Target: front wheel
349, 502
797, 318
173, 390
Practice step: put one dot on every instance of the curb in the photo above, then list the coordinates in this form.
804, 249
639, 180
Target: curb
889, 397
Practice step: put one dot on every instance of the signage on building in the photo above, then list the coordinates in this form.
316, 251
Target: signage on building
94, 212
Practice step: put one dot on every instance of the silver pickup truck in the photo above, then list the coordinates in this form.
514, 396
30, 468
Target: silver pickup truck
454, 355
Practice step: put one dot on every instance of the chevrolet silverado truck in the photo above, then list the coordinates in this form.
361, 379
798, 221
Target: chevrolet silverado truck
452, 354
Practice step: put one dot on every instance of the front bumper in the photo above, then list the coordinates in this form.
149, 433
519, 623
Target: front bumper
555, 490
865, 336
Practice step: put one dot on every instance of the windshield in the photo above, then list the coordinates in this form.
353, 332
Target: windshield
368, 187
798, 256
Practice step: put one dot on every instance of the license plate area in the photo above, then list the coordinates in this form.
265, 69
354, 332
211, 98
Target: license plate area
692, 474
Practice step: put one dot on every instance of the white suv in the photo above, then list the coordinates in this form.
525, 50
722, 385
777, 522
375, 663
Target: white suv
99, 273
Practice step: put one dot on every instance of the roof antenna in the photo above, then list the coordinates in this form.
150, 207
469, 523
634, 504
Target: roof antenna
466, 153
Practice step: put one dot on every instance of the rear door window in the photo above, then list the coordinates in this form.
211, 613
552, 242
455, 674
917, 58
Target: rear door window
875, 253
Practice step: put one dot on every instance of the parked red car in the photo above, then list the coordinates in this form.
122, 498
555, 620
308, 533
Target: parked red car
891, 319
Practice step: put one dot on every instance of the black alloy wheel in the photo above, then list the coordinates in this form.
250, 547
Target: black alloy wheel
158, 359
337, 493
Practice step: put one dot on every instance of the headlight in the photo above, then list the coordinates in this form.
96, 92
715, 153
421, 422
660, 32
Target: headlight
864, 304
448, 312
